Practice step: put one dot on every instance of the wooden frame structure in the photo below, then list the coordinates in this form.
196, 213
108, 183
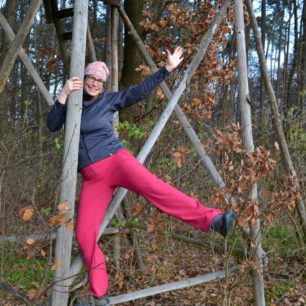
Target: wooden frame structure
65, 272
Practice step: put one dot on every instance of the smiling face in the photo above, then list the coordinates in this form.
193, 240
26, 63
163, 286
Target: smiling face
93, 86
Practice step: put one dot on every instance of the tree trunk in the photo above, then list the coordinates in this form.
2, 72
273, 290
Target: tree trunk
71, 147
226, 116
132, 57
279, 48
284, 106
247, 137
107, 51
277, 122
294, 59
261, 97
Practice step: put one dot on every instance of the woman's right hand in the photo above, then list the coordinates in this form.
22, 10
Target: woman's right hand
72, 84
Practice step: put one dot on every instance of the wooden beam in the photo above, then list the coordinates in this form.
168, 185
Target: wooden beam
172, 286
47, 236
16, 45
70, 159
27, 62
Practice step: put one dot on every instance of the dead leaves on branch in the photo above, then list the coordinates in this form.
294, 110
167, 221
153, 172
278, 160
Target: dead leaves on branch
241, 170
26, 214
192, 25
57, 220
32, 247
200, 108
62, 218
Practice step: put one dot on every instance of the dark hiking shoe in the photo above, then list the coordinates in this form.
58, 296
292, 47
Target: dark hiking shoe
223, 223
92, 301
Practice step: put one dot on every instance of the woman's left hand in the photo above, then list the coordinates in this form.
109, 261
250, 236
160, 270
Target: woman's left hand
173, 60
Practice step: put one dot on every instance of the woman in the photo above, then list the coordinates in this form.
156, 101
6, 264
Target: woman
106, 165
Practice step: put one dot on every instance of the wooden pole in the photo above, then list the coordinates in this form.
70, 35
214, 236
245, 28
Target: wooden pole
247, 137
69, 172
27, 62
115, 87
186, 283
16, 45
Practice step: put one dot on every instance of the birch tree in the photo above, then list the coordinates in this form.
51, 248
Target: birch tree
247, 138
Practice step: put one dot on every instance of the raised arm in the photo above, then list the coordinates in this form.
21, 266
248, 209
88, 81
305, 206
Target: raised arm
133, 94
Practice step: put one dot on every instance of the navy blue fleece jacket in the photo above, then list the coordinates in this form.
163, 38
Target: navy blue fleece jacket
97, 138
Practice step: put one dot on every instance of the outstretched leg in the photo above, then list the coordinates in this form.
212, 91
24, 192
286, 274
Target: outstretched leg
131, 174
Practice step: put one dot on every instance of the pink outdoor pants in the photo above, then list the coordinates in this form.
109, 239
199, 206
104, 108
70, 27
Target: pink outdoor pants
100, 179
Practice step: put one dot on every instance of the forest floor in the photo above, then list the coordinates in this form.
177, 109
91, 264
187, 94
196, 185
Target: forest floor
168, 260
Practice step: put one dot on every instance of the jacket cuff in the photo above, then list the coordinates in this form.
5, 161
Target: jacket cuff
165, 71
58, 104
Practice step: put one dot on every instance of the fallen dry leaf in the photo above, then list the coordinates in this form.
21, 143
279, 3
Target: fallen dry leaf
26, 213
31, 294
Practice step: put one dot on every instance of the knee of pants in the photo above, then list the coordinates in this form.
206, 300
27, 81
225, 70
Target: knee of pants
86, 238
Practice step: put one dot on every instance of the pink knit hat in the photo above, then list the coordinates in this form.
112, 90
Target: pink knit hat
97, 68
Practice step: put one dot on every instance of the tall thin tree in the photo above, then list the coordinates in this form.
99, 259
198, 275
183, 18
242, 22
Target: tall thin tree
247, 137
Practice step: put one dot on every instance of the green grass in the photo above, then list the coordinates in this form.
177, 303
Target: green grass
21, 272
278, 290
280, 240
